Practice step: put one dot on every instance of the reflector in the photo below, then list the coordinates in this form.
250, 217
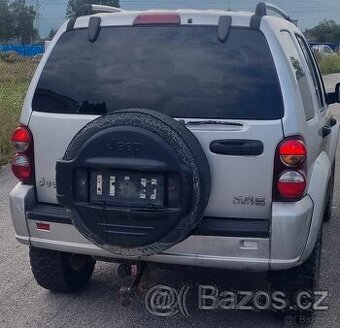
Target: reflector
21, 167
43, 226
291, 184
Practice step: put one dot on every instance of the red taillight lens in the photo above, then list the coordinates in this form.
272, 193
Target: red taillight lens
21, 139
21, 167
157, 18
22, 163
292, 152
291, 184
290, 170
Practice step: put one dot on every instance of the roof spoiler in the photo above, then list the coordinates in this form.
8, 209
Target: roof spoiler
89, 9
261, 11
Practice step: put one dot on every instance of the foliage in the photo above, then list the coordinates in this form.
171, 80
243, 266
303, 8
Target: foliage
52, 33
74, 5
6, 22
16, 21
10, 57
23, 16
14, 80
329, 64
326, 31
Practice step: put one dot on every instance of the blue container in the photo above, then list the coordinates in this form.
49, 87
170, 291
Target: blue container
24, 50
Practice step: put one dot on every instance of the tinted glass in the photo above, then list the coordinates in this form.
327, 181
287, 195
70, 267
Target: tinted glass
180, 71
312, 69
300, 75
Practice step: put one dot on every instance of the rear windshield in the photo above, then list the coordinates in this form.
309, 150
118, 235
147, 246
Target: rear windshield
183, 71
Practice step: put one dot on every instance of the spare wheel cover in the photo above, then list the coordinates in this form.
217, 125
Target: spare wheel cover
154, 177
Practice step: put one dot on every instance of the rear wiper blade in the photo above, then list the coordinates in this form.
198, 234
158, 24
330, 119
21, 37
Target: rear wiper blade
212, 122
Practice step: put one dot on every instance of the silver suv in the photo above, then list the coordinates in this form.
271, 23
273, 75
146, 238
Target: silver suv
187, 137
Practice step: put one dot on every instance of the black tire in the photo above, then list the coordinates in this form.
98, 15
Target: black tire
330, 190
304, 278
60, 272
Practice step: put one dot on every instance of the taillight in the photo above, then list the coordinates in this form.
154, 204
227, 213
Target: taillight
292, 152
291, 184
22, 163
21, 139
157, 18
290, 170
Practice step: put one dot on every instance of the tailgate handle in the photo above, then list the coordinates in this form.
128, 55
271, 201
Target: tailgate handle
237, 147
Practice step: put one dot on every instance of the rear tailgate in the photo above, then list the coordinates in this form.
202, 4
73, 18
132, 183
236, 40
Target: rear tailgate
241, 185
182, 71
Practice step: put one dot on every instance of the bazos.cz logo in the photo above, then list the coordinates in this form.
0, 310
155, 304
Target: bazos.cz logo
166, 301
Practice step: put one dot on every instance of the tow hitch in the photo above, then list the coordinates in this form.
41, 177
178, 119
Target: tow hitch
138, 271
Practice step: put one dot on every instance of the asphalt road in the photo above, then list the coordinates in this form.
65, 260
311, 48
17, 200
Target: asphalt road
24, 304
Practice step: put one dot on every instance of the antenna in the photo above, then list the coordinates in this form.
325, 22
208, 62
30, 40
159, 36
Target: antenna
229, 5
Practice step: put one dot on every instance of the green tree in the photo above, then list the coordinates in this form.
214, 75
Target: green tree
74, 5
6, 22
23, 17
52, 33
326, 31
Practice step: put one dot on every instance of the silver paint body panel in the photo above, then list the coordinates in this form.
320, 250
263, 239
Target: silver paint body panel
294, 226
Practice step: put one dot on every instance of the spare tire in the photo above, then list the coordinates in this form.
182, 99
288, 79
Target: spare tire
135, 182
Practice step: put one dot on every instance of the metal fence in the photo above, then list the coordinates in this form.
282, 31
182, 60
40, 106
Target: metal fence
17, 66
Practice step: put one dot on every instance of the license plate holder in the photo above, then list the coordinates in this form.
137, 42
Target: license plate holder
127, 188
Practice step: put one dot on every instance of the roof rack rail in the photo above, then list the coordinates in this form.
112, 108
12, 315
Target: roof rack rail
89, 9
261, 11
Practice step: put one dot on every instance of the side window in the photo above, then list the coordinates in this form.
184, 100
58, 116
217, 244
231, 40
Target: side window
312, 69
301, 79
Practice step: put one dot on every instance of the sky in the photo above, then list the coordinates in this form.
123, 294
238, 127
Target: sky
308, 12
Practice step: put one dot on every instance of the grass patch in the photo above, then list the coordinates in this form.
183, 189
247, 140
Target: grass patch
329, 64
14, 81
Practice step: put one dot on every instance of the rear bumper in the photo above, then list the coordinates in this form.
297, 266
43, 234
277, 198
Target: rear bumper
282, 249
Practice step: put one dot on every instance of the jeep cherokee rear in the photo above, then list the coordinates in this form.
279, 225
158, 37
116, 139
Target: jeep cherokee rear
109, 168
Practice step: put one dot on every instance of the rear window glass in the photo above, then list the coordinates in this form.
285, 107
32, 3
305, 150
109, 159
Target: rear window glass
183, 71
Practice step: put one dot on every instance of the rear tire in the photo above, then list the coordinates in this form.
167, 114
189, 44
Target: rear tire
60, 272
330, 190
302, 278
